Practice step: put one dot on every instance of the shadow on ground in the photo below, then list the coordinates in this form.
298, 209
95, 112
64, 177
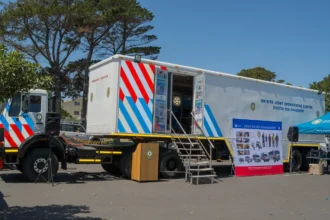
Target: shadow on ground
51, 212
67, 178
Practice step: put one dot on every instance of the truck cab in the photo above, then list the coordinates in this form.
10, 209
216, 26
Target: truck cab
22, 117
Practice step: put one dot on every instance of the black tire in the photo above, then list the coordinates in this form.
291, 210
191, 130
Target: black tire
126, 164
170, 161
36, 159
297, 160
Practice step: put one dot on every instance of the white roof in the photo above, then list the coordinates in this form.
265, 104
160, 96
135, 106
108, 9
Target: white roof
38, 91
192, 70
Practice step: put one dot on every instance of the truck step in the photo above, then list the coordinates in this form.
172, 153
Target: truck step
186, 143
202, 169
193, 155
201, 176
192, 149
200, 163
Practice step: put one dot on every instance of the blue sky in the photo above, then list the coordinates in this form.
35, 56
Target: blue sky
291, 38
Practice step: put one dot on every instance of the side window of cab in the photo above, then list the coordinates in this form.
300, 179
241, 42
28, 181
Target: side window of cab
15, 106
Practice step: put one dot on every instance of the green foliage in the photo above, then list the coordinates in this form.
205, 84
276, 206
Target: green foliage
66, 115
131, 33
323, 86
260, 73
17, 74
43, 31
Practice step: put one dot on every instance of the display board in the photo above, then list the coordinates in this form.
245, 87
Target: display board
257, 147
160, 106
198, 103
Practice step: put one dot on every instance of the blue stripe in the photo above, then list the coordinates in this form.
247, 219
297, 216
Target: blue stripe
146, 108
18, 123
120, 126
213, 121
127, 117
208, 129
29, 121
138, 115
4, 122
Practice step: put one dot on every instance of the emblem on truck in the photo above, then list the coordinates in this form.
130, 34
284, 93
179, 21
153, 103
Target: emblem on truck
317, 121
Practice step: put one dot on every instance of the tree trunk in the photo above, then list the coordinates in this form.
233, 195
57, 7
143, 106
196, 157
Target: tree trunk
58, 96
85, 89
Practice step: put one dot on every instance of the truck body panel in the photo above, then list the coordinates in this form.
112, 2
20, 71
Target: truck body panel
146, 89
103, 99
230, 98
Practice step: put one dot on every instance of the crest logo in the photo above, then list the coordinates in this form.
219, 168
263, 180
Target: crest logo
317, 121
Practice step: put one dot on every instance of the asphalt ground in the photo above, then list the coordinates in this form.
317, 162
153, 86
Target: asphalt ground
86, 192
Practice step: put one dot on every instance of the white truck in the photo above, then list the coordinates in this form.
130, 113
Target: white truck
184, 108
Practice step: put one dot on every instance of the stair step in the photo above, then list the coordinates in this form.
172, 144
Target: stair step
186, 143
202, 169
193, 155
201, 176
192, 149
200, 163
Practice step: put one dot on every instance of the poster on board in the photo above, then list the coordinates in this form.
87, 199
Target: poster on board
257, 147
160, 105
198, 108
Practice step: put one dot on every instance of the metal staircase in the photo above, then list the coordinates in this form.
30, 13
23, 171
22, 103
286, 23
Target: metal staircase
193, 154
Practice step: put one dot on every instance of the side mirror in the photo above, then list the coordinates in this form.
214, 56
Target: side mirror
25, 106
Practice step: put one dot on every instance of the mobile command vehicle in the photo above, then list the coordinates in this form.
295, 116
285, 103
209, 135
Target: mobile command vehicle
188, 110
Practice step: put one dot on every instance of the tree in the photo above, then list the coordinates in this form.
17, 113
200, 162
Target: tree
260, 73
96, 20
44, 31
130, 35
323, 86
18, 75
100, 20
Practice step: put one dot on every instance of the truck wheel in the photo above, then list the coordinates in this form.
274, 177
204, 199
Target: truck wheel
126, 164
296, 160
169, 162
36, 162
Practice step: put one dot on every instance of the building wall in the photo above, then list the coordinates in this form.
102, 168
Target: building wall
73, 107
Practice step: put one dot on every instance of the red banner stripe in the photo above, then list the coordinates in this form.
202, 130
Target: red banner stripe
152, 67
138, 81
163, 67
17, 132
28, 129
128, 84
121, 95
147, 77
10, 140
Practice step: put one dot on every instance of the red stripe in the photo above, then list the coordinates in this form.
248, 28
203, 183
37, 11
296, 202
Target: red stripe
1, 125
10, 140
121, 95
138, 81
28, 129
128, 84
147, 77
17, 132
152, 67
163, 67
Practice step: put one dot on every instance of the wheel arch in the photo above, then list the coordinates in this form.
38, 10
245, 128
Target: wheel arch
42, 141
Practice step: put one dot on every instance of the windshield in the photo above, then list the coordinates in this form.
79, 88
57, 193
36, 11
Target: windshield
2, 107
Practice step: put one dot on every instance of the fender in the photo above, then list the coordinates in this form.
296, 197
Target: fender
41, 141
